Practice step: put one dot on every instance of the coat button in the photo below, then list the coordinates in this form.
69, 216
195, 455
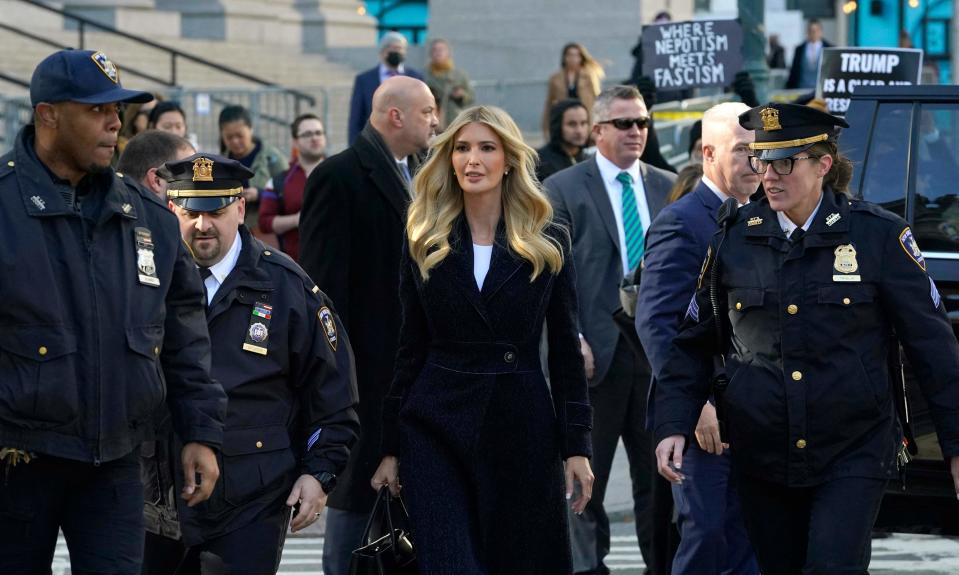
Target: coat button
846, 301
267, 252
793, 309
509, 357
259, 444
156, 351
801, 444
739, 305
42, 350
10, 163
797, 375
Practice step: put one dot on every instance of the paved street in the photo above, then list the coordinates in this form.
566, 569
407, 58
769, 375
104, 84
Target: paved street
897, 555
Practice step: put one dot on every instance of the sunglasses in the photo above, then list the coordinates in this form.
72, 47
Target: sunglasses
627, 123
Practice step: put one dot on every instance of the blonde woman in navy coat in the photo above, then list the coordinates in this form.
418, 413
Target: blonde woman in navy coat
472, 431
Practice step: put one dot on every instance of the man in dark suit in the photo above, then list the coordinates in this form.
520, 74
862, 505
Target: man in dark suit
607, 202
392, 55
351, 236
714, 539
804, 69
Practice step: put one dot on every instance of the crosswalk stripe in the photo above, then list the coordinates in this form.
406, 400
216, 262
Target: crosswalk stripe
905, 553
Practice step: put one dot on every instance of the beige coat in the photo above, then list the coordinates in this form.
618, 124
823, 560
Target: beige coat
586, 86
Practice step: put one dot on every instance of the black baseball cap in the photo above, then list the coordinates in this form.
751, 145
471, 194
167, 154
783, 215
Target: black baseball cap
83, 76
784, 130
205, 182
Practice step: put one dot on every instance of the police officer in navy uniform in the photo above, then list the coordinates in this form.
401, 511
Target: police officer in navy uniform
285, 361
102, 318
809, 284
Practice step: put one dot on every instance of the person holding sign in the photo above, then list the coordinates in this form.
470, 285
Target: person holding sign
791, 325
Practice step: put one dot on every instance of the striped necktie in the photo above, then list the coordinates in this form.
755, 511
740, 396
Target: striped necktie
632, 225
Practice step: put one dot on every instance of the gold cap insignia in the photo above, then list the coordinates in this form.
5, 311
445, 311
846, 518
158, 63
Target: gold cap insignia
202, 170
770, 118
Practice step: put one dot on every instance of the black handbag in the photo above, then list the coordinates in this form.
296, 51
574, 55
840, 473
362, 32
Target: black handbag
387, 544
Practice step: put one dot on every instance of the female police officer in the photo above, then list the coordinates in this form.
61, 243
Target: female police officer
809, 285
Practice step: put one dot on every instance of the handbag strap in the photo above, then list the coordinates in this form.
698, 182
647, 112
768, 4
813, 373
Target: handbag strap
381, 498
394, 544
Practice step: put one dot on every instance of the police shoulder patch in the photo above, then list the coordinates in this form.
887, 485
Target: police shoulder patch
329, 325
909, 245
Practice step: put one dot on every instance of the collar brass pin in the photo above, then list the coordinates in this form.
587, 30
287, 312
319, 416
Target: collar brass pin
754, 221
127, 208
832, 218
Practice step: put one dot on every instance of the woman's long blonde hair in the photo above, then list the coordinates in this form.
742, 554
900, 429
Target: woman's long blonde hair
438, 198
590, 66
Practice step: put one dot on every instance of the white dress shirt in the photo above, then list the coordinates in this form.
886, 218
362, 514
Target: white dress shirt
788, 226
385, 72
614, 189
714, 189
222, 268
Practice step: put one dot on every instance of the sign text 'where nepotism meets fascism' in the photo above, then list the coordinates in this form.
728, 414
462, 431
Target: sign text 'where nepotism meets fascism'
680, 55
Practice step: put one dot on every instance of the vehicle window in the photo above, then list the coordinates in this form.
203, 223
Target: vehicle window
884, 175
936, 219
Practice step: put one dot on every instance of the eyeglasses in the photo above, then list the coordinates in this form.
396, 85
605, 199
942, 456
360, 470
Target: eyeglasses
783, 167
307, 135
627, 123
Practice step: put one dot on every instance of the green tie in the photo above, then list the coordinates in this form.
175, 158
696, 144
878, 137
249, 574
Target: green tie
631, 222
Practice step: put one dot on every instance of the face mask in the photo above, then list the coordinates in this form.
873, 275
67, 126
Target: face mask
394, 59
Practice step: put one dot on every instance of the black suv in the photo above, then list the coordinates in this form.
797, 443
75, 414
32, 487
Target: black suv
904, 144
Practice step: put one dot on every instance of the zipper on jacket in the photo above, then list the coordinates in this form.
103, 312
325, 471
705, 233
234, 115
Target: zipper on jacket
88, 242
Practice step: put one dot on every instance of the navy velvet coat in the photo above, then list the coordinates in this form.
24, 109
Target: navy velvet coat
479, 434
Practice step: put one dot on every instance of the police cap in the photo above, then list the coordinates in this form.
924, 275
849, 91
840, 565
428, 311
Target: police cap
82, 76
206, 182
784, 130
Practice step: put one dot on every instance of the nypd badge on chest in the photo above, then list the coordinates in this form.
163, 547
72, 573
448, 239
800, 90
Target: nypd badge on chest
146, 264
258, 333
846, 264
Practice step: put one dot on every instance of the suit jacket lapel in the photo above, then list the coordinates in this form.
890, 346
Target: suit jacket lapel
655, 195
382, 174
597, 191
503, 265
709, 199
460, 265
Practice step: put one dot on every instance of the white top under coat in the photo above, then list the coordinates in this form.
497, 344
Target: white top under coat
481, 259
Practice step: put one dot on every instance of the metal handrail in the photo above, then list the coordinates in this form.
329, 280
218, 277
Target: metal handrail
128, 69
14, 80
174, 54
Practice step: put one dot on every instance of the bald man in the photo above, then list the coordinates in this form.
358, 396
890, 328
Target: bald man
713, 537
351, 235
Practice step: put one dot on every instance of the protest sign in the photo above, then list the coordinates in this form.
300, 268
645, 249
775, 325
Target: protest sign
842, 70
681, 55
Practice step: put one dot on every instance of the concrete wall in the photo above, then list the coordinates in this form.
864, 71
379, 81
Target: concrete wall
510, 39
